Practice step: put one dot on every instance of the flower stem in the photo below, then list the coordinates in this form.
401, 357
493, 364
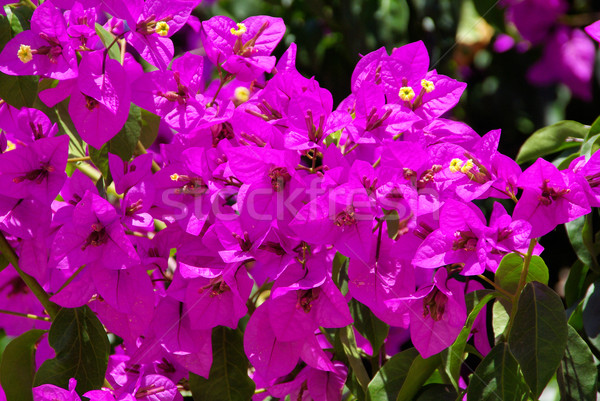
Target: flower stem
496, 287
142, 150
26, 315
79, 159
34, 286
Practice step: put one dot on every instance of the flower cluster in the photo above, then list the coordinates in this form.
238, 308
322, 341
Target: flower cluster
264, 186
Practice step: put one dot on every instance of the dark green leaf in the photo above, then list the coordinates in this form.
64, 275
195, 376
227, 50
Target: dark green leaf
107, 39
18, 366
577, 374
437, 392
18, 91
454, 355
346, 335
228, 379
389, 379
3, 262
509, 271
19, 18
497, 377
420, 370
82, 350
123, 144
581, 237
368, 325
100, 159
574, 287
551, 139
591, 312
538, 336
150, 123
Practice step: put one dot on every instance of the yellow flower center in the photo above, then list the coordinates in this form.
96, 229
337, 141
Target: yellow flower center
242, 94
25, 54
455, 165
241, 29
406, 93
467, 166
427, 85
174, 177
162, 28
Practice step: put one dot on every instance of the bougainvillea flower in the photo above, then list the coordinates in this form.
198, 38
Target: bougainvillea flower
437, 314
50, 392
45, 49
550, 197
95, 235
173, 94
36, 171
245, 48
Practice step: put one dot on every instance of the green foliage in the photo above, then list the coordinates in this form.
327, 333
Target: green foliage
388, 381
497, 377
368, 325
82, 350
577, 375
228, 378
18, 366
551, 139
509, 272
539, 335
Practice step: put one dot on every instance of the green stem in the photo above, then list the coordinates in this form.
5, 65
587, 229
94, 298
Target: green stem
27, 315
29, 4
142, 150
34, 286
496, 287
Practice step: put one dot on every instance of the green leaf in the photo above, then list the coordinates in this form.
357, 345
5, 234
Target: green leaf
551, 139
392, 223
577, 375
228, 379
351, 351
591, 311
107, 38
497, 377
388, 381
150, 123
581, 237
18, 366
100, 159
509, 271
368, 325
453, 357
500, 318
437, 392
575, 285
82, 350
123, 144
420, 370
18, 91
538, 336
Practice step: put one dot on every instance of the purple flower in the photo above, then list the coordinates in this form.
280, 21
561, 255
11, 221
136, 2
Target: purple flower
36, 171
568, 58
437, 314
550, 197
245, 48
50, 392
45, 49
